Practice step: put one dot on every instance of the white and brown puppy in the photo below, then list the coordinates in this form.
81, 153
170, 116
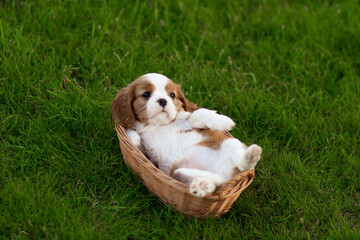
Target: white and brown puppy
186, 143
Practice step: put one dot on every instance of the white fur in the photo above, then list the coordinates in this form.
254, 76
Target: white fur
134, 137
205, 118
169, 137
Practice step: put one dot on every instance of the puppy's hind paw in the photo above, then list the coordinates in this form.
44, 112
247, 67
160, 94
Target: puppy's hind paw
253, 153
251, 157
201, 186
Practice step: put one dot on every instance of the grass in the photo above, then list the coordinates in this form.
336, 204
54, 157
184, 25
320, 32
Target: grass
287, 72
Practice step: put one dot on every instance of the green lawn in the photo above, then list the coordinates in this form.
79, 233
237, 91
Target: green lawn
287, 72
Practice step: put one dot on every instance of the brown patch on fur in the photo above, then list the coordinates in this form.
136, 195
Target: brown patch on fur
214, 138
235, 172
190, 107
182, 178
121, 108
173, 88
129, 104
177, 165
139, 103
185, 163
181, 103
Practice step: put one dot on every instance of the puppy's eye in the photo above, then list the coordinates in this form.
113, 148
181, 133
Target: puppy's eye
146, 94
172, 95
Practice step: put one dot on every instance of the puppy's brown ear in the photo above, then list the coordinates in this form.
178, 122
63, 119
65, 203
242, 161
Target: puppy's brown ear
188, 106
121, 108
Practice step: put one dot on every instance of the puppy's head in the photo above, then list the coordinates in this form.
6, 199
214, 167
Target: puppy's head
150, 99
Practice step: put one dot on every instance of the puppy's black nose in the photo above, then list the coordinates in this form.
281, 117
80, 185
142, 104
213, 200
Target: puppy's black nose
162, 102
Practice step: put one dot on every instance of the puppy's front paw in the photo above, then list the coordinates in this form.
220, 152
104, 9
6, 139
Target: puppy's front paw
199, 187
205, 118
134, 137
221, 123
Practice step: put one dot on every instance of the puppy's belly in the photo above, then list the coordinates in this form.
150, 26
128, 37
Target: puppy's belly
202, 158
165, 148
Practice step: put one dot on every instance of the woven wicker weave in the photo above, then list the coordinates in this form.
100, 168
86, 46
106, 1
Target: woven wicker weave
176, 194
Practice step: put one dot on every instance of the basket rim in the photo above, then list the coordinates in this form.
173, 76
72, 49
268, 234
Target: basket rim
216, 195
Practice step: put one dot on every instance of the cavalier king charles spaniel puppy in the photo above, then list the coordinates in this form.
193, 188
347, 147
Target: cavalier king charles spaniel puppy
185, 142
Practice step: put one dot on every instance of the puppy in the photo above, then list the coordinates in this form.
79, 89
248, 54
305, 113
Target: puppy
185, 142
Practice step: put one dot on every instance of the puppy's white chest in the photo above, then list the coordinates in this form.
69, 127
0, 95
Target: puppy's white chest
168, 144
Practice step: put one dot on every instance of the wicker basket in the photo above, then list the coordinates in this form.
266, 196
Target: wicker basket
176, 194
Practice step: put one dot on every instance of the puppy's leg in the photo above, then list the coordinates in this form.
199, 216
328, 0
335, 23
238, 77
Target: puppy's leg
251, 157
244, 158
205, 118
200, 182
134, 137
